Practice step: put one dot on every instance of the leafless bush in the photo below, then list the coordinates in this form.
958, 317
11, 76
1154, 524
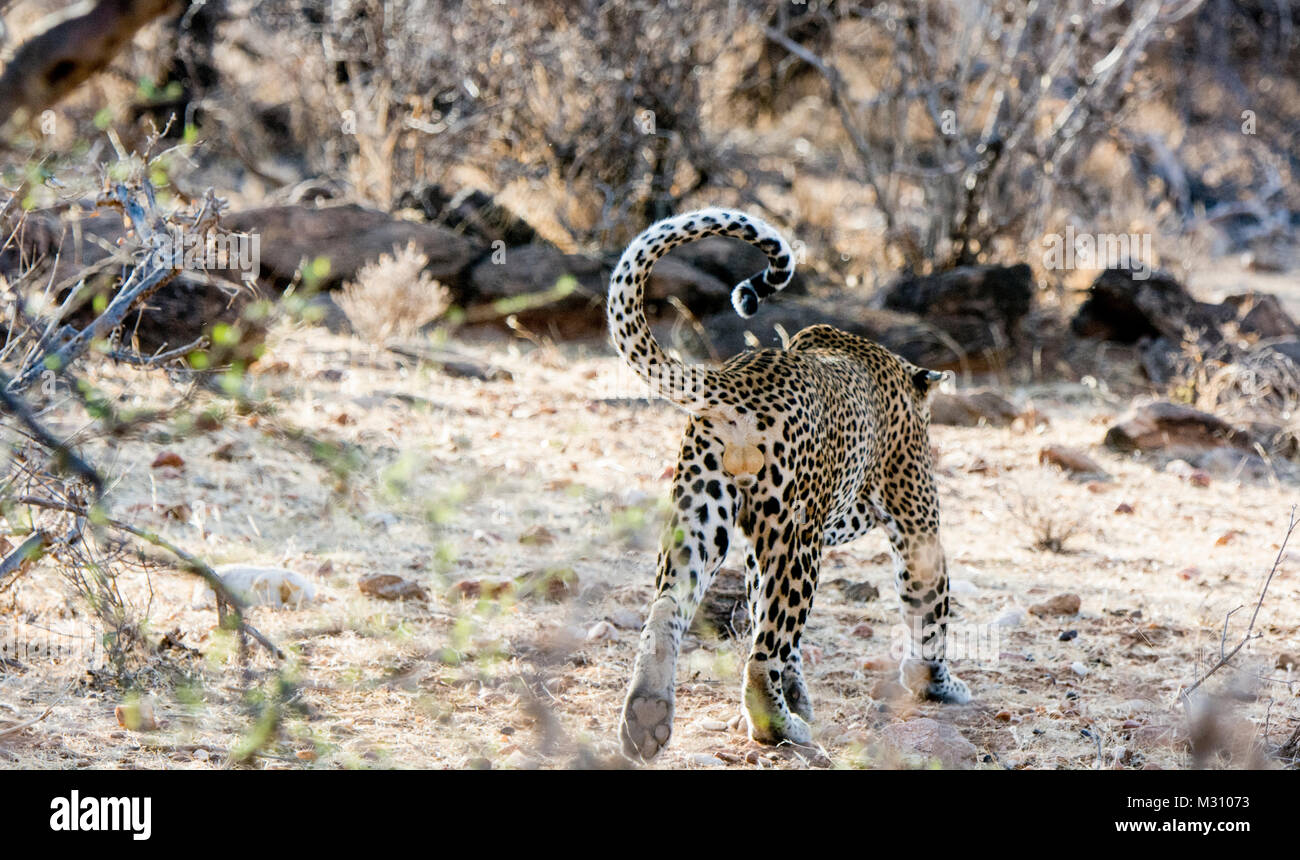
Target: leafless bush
600, 103
971, 120
1048, 523
1262, 383
393, 297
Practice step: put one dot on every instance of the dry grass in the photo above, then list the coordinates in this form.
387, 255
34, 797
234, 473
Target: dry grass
393, 297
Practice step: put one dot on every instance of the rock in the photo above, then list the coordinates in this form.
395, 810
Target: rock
863, 631
929, 740
275, 587
704, 760
518, 760
1068, 636
1013, 617
1061, 604
710, 725
625, 619
388, 586
1125, 309
1173, 430
1031, 419
168, 458
857, 592
1286, 347
349, 236
889, 689
980, 307
728, 261
519, 280
538, 535
59, 251
451, 364
1155, 314
489, 589
1070, 459
905, 334
962, 587
1184, 471
136, 716
471, 212
1262, 315
1124, 508
529, 270
1232, 464
699, 291
1078, 668
971, 409
554, 584
601, 630
1287, 661
1279, 440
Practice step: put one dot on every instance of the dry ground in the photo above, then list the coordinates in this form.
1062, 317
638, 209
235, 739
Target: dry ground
562, 470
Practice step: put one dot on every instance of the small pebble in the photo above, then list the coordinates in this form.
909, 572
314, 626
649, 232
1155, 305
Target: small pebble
602, 630
1067, 635
1078, 668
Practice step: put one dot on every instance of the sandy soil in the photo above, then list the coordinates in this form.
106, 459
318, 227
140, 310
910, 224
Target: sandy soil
457, 484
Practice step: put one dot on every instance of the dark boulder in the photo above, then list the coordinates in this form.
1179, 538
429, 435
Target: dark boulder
979, 307
907, 335
729, 261
971, 409
349, 237
1156, 314
472, 212
1174, 430
1262, 315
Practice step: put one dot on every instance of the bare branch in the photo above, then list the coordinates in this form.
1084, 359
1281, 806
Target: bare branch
1249, 635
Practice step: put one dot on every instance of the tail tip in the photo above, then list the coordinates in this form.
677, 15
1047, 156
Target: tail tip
744, 298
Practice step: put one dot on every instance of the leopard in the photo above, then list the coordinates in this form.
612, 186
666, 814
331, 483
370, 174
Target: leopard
787, 451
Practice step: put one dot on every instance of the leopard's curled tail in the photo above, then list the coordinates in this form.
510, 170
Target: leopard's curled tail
686, 386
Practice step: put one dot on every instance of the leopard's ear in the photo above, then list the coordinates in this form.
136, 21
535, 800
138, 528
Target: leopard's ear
927, 381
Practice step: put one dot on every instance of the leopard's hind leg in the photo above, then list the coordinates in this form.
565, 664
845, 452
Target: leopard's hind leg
787, 547
794, 687
705, 500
